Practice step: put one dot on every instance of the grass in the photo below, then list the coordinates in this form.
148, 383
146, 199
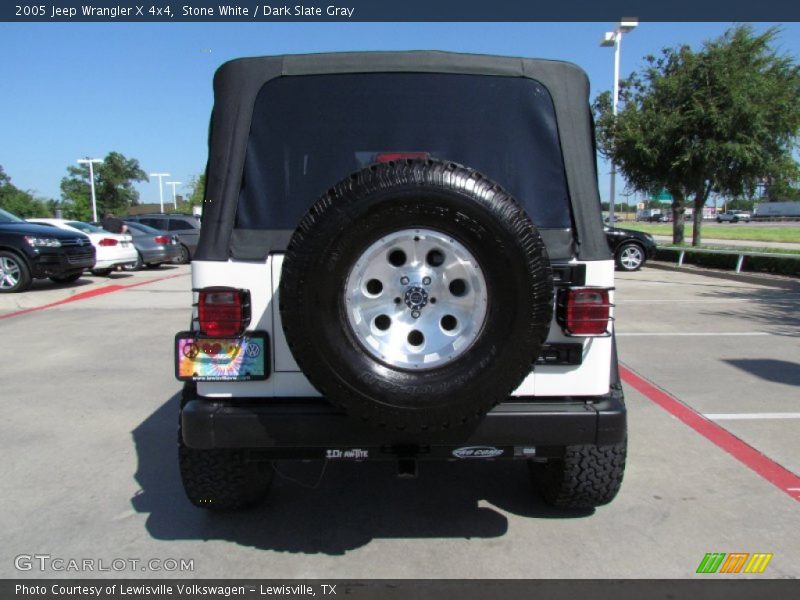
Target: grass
731, 231
732, 249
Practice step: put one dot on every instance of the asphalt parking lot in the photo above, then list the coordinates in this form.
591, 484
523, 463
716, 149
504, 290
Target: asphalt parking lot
89, 432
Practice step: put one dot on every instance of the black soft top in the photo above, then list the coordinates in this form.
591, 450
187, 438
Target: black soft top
238, 82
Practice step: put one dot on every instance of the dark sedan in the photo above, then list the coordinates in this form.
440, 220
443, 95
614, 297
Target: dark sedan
154, 247
631, 248
29, 252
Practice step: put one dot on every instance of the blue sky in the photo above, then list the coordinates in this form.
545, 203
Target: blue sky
72, 90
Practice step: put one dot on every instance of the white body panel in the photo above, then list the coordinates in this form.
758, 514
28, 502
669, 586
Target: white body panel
286, 379
591, 378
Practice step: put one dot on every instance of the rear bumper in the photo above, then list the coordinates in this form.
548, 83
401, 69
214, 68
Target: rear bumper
115, 256
161, 254
309, 428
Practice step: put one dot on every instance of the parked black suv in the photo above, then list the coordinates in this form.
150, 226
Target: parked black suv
29, 251
402, 258
186, 226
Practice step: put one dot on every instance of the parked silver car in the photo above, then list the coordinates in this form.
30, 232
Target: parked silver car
733, 216
154, 247
185, 226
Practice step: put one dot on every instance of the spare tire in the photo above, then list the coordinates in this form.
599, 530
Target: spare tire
416, 294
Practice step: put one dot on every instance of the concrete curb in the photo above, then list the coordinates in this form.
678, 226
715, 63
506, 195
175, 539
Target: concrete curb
779, 281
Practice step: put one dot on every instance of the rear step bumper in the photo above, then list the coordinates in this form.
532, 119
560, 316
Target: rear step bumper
312, 428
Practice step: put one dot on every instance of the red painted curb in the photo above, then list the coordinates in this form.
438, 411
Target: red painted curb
780, 477
106, 289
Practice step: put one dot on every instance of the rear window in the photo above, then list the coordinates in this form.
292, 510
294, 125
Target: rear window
309, 132
157, 223
141, 227
85, 227
180, 225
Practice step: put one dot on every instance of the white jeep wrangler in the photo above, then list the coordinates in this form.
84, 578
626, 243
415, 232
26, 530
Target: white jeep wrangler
402, 257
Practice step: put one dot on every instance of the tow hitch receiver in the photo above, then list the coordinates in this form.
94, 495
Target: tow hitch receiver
407, 468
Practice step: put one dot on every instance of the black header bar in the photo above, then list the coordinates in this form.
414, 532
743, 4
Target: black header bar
399, 589
399, 11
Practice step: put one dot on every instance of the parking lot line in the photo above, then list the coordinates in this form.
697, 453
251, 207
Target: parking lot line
702, 334
100, 291
777, 475
745, 416
672, 301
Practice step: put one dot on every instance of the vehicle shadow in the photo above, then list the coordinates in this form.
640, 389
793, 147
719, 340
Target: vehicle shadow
778, 371
777, 310
160, 267
49, 284
351, 505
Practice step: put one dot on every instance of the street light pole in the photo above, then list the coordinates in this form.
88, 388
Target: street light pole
613, 191
90, 162
614, 38
160, 187
174, 197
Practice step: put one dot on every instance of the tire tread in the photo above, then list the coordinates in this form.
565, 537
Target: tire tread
588, 476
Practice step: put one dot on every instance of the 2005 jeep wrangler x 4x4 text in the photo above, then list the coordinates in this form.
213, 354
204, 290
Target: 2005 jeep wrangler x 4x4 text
402, 257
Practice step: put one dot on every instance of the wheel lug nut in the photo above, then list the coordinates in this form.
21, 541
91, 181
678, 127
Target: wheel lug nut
415, 314
404, 280
426, 280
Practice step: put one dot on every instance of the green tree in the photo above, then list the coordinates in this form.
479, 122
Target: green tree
114, 191
197, 194
19, 202
781, 190
76, 200
740, 204
723, 119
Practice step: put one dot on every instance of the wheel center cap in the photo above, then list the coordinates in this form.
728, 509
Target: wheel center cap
415, 298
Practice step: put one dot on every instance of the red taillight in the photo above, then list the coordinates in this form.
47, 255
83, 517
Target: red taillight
161, 239
108, 242
385, 157
584, 311
223, 311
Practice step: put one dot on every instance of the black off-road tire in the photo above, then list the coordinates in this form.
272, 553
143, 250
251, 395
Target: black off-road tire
67, 278
220, 479
400, 196
587, 477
